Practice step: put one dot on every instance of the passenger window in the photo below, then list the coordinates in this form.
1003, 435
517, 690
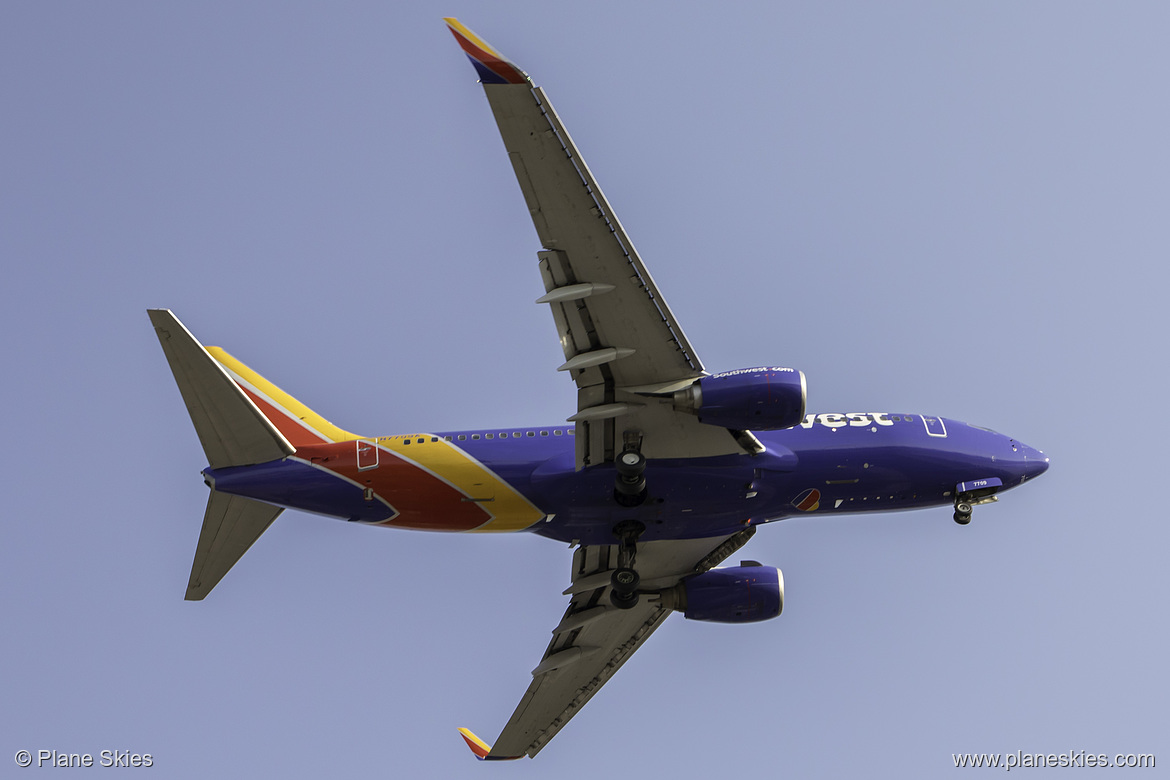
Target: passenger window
473, 436
544, 433
515, 434
530, 433
572, 431
435, 438
406, 442
557, 432
490, 436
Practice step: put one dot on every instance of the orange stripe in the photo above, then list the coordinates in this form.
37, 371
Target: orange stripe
506, 508
297, 435
423, 502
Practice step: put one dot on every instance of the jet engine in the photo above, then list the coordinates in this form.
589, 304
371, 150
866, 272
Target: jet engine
747, 593
760, 399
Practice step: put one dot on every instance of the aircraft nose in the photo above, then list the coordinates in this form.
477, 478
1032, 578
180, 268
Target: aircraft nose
1035, 462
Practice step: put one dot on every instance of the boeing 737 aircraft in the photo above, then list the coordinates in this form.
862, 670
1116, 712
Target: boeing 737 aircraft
662, 472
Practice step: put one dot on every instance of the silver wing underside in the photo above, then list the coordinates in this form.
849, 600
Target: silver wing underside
622, 345
594, 639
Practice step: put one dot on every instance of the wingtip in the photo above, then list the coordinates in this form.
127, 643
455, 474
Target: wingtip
477, 745
481, 749
492, 67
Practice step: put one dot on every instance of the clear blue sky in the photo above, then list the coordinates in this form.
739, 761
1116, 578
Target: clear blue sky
955, 209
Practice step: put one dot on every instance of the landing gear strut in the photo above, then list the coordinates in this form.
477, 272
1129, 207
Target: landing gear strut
624, 581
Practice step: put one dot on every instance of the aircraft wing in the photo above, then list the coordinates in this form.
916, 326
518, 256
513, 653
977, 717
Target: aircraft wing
593, 639
622, 345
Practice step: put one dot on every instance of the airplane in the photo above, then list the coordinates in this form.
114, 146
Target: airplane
661, 473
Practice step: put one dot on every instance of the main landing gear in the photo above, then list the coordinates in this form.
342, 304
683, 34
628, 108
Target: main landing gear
624, 581
629, 490
629, 487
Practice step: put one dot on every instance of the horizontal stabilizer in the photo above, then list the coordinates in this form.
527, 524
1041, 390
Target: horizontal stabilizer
232, 430
230, 526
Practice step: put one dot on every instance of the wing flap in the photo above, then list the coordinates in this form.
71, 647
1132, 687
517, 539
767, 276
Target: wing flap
602, 298
572, 217
559, 693
593, 639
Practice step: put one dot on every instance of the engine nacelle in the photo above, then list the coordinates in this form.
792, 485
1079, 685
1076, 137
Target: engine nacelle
759, 399
747, 593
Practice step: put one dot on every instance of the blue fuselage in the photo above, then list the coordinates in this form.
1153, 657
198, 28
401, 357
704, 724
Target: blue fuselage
829, 464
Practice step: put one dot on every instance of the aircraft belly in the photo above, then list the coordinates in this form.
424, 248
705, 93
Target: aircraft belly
295, 484
327, 480
685, 499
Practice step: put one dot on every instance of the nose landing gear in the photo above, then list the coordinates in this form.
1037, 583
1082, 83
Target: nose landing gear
970, 494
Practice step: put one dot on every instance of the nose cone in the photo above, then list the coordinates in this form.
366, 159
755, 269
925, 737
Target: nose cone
1035, 462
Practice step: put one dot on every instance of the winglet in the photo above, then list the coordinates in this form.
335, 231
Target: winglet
480, 748
477, 745
493, 67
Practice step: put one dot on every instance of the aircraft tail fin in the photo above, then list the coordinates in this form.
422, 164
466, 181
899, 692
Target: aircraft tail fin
240, 416
242, 419
230, 525
296, 422
232, 430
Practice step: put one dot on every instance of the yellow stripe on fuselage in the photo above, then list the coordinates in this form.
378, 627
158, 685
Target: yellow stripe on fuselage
509, 510
292, 406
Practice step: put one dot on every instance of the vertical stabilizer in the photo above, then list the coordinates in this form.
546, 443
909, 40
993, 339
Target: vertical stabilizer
232, 430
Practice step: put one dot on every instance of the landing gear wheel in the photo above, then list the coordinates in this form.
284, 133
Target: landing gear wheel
631, 462
623, 600
963, 511
630, 483
625, 579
